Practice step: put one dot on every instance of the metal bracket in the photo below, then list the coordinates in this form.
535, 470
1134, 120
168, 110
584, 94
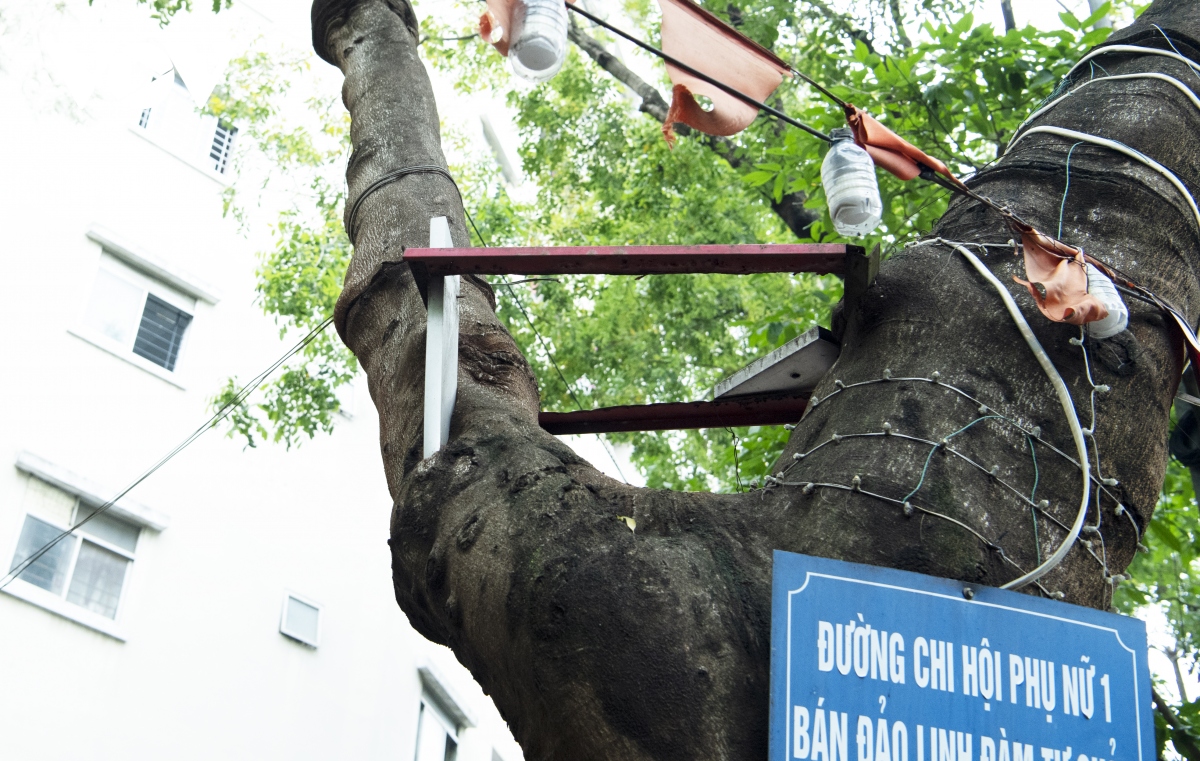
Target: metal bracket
441, 345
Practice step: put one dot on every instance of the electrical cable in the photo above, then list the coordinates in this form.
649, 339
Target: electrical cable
387, 179
1187, 330
1119, 77
937, 446
216, 417
1068, 406
1139, 49
1123, 149
926, 173
1062, 207
1172, 44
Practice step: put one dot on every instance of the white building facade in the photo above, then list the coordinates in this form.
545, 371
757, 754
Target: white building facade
238, 603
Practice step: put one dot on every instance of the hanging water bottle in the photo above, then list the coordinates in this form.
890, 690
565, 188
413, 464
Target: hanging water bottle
1106, 293
540, 38
848, 175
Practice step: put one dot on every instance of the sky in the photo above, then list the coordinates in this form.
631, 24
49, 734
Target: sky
1041, 13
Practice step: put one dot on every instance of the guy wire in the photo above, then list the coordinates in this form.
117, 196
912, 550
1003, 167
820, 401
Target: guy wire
216, 417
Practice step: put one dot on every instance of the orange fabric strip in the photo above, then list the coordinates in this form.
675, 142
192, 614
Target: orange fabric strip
496, 23
1057, 280
1054, 271
888, 149
695, 37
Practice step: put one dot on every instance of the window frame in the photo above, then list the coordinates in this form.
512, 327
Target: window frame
452, 730
193, 144
295, 637
114, 265
58, 603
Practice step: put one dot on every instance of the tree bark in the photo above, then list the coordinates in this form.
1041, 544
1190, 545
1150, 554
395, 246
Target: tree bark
601, 642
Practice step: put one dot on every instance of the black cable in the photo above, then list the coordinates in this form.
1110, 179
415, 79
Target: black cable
818, 87
217, 417
702, 76
387, 179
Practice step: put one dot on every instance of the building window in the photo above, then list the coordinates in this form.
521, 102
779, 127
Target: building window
160, 332
301, 620
437, 735
144, 119
131, 313
89, 568
222, 145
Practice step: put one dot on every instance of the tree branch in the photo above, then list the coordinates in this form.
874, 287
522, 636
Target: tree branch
790, 208
1181, 738
1174, 654
653, 102
898, 20
843, 22
598, 642
1010, 21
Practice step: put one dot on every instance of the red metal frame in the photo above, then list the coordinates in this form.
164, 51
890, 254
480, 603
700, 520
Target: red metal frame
821, 258
672, 416
825, 259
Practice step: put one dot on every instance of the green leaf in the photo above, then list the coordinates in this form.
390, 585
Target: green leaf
754, 179
1070, 21
1165, 535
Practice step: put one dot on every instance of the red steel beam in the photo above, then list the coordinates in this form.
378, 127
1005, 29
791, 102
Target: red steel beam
677, 416
822, 258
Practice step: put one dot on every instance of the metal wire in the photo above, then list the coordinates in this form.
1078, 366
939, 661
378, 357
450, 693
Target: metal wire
216, 417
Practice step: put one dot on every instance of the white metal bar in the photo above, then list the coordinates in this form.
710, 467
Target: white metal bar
441, 346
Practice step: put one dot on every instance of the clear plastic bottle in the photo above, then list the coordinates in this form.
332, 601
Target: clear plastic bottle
851, 188
1106, 293
540, 39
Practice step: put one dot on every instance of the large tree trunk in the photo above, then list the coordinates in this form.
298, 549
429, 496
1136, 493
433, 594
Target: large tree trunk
598, 642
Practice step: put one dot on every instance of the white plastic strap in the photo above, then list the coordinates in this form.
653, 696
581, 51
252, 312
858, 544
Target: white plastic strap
1131, 49
1148, 75
1119, 148
1068, 407
441, 346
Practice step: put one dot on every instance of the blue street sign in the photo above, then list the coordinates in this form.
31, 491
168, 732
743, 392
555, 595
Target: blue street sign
873, 664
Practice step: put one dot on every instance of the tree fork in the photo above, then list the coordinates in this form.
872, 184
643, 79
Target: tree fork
601, 642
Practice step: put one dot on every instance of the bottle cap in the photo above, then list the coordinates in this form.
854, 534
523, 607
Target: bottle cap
841, 133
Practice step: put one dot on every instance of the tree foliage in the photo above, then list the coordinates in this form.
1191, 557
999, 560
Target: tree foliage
1164, 577
300, 277
165, 10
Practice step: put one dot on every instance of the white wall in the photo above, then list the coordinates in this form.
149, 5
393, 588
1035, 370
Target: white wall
204, 672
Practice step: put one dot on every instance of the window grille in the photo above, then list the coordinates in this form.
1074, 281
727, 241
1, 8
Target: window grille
161, 332
97, 579
131, 313
222, 145
50, 570
88, 567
